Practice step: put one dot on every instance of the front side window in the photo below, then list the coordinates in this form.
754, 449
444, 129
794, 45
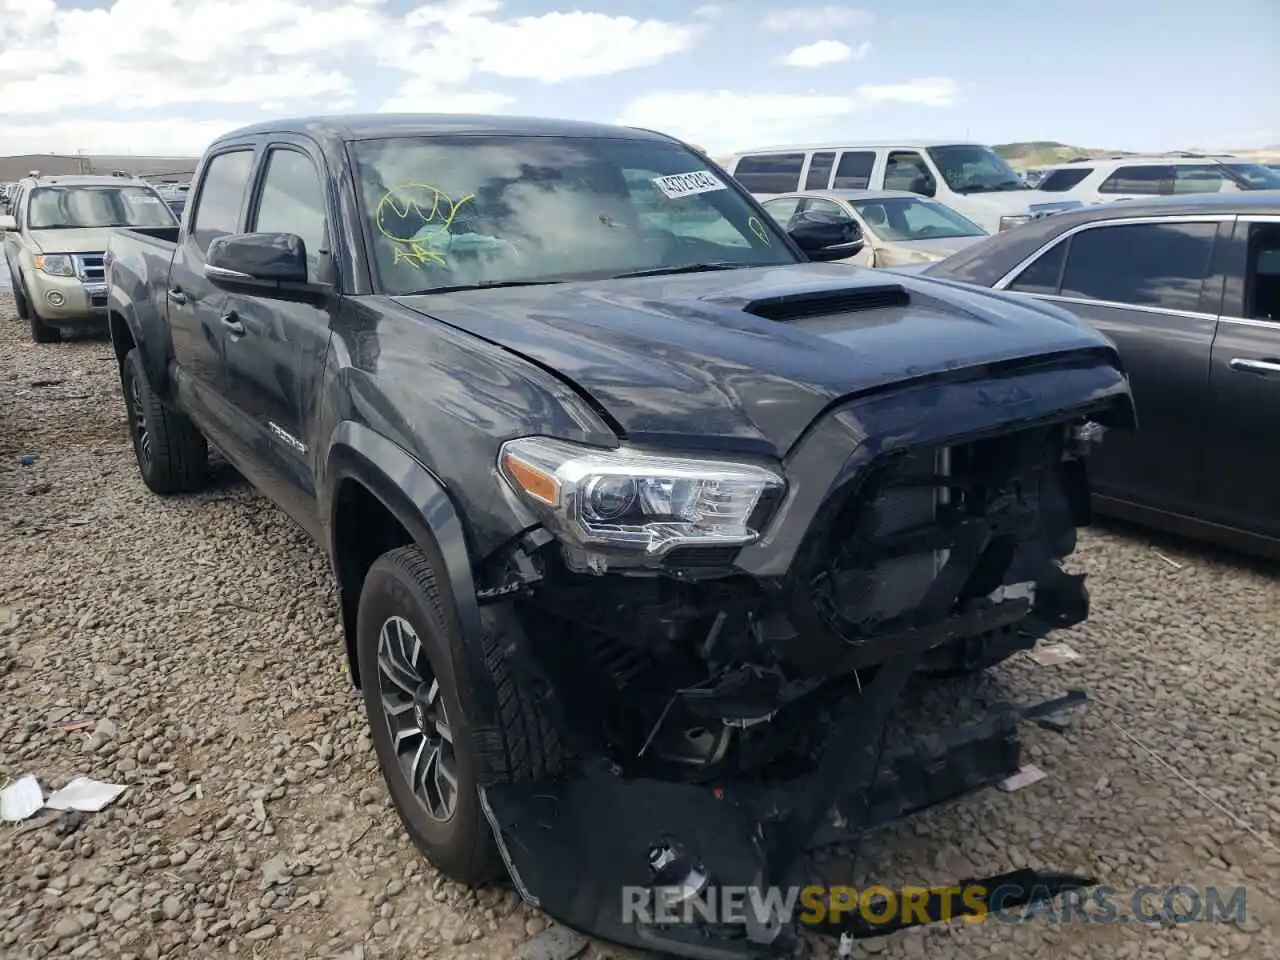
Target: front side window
1142, 181
1059, 181
1254, 176
854, 171
77, 207
221, 194
972, 168
473, 211
1043, 273
770, 172
907, 170
906, 218
293, 201
1146, 264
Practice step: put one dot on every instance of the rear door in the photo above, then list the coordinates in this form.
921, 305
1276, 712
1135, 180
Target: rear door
276, 349
1140, 282
196, 308
1243, 474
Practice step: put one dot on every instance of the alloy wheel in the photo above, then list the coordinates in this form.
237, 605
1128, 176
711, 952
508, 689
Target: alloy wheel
138, 414
415, 714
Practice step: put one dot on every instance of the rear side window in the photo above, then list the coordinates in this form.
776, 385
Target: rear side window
1142, 181
854, 171
1143, 264
1041, 276
1198, 178
221, 193
819, 174
1060, 180
770, 173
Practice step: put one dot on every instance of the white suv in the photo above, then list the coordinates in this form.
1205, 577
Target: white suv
1103, 179
970, 178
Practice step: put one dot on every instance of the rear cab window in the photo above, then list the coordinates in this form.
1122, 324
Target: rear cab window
770, 172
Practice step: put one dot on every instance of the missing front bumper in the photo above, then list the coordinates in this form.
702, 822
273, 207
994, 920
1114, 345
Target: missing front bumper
583, 847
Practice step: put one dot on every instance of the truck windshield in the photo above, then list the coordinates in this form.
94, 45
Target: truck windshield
69, 208
972, 168
482, 211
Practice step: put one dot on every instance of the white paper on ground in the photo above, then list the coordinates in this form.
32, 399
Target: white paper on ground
21, 799
1052, 653
84, 794
1025, 777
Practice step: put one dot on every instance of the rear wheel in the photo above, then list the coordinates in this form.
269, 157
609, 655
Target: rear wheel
172, 454
421, 704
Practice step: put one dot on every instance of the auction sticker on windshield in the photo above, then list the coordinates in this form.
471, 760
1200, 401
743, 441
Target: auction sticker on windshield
679, 185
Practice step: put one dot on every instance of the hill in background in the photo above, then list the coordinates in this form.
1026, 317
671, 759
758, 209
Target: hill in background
1045, 153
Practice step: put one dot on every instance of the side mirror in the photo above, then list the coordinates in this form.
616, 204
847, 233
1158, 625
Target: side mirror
7, 224
827, 239
256, 260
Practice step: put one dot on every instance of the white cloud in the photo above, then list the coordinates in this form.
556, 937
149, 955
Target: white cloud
815, 19
724, 120
289, 56
927, 91
824, 53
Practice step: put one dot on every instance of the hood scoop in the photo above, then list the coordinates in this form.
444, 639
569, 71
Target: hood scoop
826, 303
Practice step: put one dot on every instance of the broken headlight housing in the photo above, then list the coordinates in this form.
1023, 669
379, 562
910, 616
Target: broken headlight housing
639, 502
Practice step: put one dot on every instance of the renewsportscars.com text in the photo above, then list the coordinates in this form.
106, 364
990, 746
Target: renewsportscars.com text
1151, 904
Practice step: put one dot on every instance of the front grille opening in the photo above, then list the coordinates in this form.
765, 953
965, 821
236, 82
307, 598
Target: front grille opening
826, 303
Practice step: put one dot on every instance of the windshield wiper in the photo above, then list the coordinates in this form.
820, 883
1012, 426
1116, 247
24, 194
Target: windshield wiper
686, 268
482, 285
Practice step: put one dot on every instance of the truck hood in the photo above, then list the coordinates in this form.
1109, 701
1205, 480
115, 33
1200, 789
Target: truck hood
683, 359
90, 240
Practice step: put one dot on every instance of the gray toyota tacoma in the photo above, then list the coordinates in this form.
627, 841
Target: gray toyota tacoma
642, 514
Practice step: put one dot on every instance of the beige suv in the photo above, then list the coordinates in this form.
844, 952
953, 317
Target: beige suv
54, 237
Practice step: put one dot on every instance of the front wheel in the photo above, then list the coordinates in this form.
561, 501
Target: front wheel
410, 662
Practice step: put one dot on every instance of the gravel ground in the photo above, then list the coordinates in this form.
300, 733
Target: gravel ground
200, 636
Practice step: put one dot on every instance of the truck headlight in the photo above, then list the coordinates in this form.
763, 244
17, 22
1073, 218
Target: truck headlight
55, 264
640, 501
1008, 223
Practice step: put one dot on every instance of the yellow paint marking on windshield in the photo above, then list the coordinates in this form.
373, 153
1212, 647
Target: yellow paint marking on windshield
414, 207
756, 227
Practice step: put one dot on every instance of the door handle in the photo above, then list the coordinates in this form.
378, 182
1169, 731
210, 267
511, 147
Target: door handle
232, 323
1268, 368
177, 296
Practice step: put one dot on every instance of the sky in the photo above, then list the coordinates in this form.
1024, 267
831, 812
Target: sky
167, 76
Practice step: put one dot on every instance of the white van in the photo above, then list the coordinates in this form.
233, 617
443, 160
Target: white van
970, 178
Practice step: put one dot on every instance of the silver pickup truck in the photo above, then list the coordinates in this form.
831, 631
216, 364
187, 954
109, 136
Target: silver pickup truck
55, 238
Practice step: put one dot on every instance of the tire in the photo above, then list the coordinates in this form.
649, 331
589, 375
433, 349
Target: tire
41, 332
172, 454
403, 589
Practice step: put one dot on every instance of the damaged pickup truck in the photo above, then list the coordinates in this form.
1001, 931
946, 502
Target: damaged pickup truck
641, 514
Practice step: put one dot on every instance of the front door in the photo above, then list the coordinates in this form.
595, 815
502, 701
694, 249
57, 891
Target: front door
277, 347
195, 306
1244, 465
1140, 284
